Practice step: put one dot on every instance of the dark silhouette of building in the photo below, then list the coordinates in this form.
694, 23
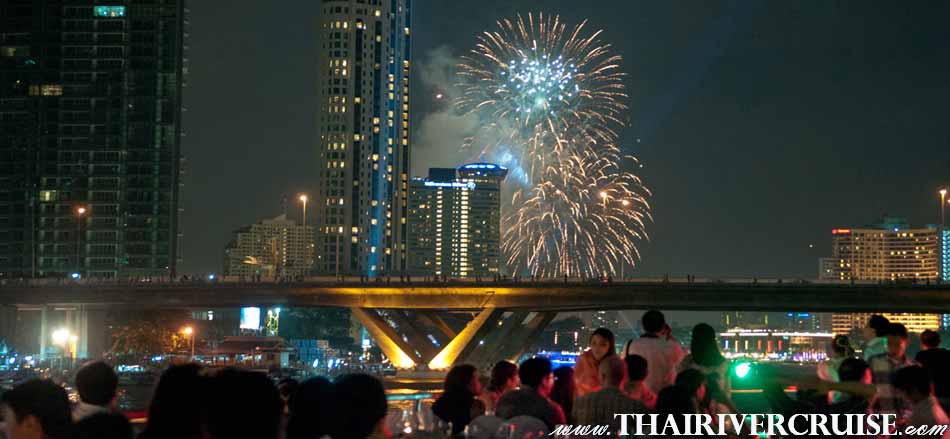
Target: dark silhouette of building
90, 103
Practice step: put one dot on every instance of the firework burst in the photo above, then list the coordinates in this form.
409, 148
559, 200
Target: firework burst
584, 219
551, 101
547, 90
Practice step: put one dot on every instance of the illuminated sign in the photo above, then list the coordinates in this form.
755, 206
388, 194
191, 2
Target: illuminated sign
483, 166
470, 184
840, 231
251, 318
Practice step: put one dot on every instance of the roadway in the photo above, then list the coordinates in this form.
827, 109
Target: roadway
549, 295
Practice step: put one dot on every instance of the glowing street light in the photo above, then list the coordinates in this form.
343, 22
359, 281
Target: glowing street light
943, 206
189, 332
303, 199
80, 211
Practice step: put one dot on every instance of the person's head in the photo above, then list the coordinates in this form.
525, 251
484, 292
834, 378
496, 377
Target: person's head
602, 343
841, 347
854, 370
97, 383
896, 340
563, 390
636, 367
462, 379
536, 374
36, 409
612, 371
675, 400
504, 377
245, 395
913, 383
703, 346
175, 410
360, 406
694, 382
653, 321
287, 387
876, 327
310, 409
929, 339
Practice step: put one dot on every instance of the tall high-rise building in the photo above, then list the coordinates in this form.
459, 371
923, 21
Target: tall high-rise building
275, 247
455, 221
363, 144
945, 254
890, 252
90, 104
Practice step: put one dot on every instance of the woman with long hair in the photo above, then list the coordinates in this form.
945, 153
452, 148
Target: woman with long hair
839, 350
705, 357
176, 409
586, 375
459, 403
504, 377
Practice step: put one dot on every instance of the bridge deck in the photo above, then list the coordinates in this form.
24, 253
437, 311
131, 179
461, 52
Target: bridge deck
549, 296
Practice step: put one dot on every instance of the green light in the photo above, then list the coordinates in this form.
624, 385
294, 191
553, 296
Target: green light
743, 369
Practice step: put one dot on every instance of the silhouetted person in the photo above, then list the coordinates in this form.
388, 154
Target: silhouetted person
883, 366
504, 377
532, 399
359, 407
177, 404
635, 386
564, 390
242, 404
913, 384
459, 403
875, 336
311, 410
598, 408
94, 414
937, 361
287, 387
36, 409
657, 345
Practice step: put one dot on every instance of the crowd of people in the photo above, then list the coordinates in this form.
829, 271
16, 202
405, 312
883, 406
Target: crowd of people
651, 374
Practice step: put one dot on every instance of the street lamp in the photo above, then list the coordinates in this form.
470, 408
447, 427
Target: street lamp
303, 199
79, 213
189, 332
943, 206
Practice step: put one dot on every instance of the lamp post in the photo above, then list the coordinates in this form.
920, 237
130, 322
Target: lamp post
943, 206
190, 333
79, 214
303, 199
339, 232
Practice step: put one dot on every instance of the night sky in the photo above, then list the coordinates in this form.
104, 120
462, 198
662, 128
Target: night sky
761, 125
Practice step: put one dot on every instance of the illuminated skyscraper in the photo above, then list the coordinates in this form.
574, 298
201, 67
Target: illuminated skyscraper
945, 255
90, 135
890, 252
363, 144
455, 221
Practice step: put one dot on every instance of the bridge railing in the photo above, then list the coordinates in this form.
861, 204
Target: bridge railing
224, 281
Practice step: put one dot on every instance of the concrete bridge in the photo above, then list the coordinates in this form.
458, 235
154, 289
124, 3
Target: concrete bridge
404, 317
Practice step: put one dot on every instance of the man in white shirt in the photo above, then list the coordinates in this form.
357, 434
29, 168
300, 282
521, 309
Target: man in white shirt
662, 352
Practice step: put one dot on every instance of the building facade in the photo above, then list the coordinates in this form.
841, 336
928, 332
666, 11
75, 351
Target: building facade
455, 221
272, 248
90, 137
890, 251
886, 252
945, 254
852, 323
363, 110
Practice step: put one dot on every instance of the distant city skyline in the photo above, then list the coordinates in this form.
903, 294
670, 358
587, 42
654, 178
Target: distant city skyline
756, 138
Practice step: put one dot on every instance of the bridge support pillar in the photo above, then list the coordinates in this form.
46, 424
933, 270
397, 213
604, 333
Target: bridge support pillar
462, 344
44, 331
400, 354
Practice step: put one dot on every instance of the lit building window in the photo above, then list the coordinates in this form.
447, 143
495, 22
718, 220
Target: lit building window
52, 90
110, 11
